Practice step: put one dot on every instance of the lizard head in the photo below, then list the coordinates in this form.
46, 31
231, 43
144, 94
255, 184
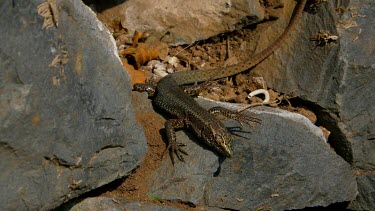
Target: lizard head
219, 139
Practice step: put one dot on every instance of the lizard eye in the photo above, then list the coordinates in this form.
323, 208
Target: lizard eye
220, 140
224, 142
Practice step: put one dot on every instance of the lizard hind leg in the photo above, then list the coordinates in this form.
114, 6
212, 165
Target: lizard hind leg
173, 146
234, 115
195, 89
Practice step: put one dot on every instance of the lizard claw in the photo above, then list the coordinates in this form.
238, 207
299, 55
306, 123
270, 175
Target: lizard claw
235, 116
173, 146
175, 149
178, 151
247, 120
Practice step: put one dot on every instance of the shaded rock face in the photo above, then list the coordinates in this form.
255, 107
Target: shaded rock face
283, 164
69, 127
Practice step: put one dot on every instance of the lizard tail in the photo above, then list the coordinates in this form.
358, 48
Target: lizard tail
189, 77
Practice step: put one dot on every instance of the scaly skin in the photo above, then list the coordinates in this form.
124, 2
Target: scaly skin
170, 97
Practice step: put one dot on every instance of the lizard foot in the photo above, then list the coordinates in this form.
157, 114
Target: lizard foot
173, 146
234, 115
176, 149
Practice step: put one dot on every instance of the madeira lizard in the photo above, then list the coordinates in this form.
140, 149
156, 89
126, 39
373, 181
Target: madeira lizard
170, 96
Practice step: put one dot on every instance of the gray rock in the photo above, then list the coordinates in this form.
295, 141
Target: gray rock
282, 164
337, 79
67, 129
182, 22
117, 204
355, 98
366, 197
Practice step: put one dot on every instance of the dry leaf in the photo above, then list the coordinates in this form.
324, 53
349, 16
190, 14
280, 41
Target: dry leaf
240, 199
137, 36
143, 53
36, 120
136, 76
61, 58
275, 195
116, 28
55, 81
48, 10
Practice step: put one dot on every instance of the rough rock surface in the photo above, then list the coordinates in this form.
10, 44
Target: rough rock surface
118, 204
62, 128
282, 164
366, 197
338, 82
67, 129
181, 21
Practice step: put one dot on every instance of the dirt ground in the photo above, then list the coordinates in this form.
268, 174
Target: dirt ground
219, 51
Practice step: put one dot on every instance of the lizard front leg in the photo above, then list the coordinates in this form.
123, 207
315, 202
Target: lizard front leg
234, 115
173, 146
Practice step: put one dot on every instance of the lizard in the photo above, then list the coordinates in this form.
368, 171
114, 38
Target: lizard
169, 95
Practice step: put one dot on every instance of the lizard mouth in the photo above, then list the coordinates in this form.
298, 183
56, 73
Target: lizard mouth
226, 151
223, 144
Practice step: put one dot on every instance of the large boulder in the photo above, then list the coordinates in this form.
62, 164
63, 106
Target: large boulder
183, 22
283, 164
66, 120
337, 83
